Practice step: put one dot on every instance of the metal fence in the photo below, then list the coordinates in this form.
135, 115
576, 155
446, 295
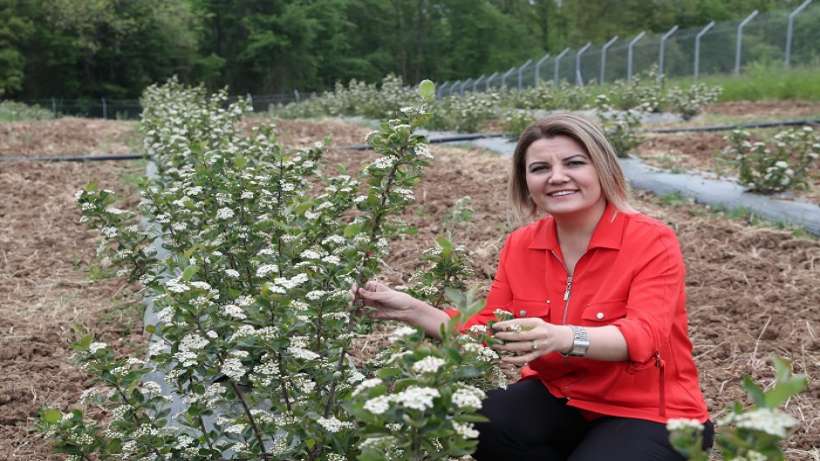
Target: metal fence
131, 108
774, 38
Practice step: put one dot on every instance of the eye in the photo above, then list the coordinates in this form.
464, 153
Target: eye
576, 163
535, 168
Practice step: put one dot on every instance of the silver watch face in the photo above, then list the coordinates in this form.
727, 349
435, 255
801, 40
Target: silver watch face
580, 341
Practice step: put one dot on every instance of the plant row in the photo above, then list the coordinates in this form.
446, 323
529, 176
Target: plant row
255, 354
471, 111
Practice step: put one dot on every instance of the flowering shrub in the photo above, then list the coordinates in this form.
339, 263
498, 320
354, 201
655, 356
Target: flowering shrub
466, 113
472, 110
690, 101
251, 357
751, 434
358, 98
620, 127
783, 164
516, 121
11, 111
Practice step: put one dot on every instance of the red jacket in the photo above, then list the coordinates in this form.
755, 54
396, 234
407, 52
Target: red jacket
631, 276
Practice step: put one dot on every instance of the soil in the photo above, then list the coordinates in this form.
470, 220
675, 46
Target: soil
752, 291
765, 109
67, 136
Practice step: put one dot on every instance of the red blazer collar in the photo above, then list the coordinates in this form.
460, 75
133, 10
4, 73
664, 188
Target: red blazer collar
608, 232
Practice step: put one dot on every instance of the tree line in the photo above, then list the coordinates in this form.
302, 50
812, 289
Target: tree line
114, 48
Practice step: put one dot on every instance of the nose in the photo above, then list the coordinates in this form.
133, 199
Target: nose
558, 175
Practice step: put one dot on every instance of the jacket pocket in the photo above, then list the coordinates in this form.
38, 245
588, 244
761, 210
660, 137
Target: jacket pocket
522, 308
603, 313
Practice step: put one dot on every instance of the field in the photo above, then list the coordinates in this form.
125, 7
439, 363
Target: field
753, 291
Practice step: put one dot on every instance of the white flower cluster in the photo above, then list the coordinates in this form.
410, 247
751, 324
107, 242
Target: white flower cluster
266, 269
188, 347
302, 353
333, 424
468, 397
768, 420
378, 405
233, 311
466, 430
428, 364
232, 367
224, 213
366, 384
400, 333
682, 424
96, 347
416, 397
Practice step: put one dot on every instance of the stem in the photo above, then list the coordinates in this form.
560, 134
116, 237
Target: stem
202, 422
256, 430
134, 408
283, 372
331, 397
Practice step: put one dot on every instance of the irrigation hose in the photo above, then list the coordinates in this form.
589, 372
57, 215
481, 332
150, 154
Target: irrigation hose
440, 140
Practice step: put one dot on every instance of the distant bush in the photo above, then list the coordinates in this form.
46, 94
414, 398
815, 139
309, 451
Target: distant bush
11, 111
777, 166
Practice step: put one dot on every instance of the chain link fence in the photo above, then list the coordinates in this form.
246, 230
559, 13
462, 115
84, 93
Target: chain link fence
127, 109
787, 38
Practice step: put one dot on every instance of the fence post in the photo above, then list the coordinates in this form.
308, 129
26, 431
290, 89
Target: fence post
521, 73
504, 77
558, 64
697, 47
54, 107
603, 57
461, 90
740, 39
440, 89
475, 83
662, 50
104, 109
489, 80
578, 80
538, 69
790, 31
455, 84
629, 54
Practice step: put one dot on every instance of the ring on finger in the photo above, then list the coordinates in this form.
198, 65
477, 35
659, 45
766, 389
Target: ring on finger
535, 345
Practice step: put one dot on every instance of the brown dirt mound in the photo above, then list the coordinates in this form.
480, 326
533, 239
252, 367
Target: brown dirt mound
765, 109
66, 136
46, 298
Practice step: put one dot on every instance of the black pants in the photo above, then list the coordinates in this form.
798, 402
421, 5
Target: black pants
528, 424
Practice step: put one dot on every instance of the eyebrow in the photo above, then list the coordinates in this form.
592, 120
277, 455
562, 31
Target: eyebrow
584, 157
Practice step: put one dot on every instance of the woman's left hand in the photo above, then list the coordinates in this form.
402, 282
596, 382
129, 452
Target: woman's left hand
530, 338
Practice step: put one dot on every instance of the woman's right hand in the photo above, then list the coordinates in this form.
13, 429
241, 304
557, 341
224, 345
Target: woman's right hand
389, 304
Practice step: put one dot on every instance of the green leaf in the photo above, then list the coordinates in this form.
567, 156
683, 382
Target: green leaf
83, 343
427, 90
150, 329
754, 391
446, 246
786, 386
51, 416
189, 273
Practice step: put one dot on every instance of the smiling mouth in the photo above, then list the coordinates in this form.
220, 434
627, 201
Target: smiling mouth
562, 193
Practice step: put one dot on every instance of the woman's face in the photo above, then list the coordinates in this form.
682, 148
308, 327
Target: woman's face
561, 178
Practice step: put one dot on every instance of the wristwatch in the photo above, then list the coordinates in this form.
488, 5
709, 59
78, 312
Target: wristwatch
580, 342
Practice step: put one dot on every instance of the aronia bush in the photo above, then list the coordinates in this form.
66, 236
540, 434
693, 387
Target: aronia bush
254, 355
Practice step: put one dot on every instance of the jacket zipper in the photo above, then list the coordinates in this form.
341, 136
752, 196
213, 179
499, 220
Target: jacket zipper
661, 383
567, 294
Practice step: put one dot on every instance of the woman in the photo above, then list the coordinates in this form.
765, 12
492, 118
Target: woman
597, 292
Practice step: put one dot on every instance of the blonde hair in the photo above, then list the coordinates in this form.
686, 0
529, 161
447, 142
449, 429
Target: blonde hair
591, 138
